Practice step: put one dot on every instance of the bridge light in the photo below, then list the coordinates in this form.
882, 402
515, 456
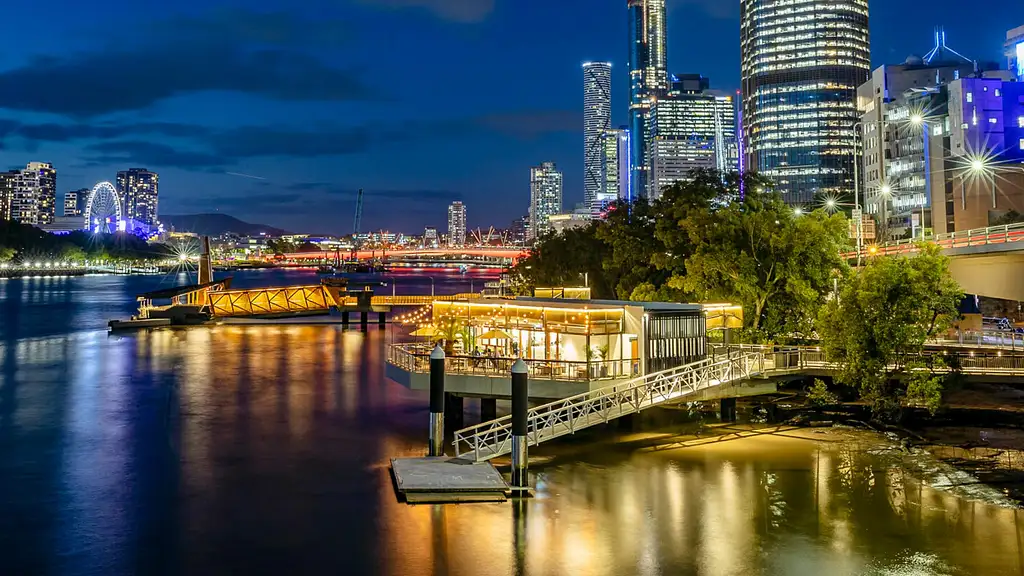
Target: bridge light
872, 250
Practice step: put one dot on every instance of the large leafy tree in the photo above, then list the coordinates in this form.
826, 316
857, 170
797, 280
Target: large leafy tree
877, 328
629, 234
757, 251
571, 258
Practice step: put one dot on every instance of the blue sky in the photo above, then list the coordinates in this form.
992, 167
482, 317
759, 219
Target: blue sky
420, 102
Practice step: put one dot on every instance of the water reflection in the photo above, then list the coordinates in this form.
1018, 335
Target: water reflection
265, 449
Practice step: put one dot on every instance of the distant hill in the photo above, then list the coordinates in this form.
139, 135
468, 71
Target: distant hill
216, 224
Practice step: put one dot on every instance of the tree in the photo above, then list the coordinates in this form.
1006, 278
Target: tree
7, 254
570, 258
629, 267
877, 329
756, 251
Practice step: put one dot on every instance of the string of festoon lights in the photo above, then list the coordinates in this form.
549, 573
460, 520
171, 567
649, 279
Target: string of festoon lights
415, 317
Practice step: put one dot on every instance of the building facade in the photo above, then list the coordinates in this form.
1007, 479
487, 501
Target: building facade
75, 201
457, 224
430, 238
648, 78
597, 118
8, 180
139, 190
617, 171
1015, 52
802, 61
34, 197
545, 198
690, 128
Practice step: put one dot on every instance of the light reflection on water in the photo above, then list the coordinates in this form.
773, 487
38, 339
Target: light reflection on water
265, 450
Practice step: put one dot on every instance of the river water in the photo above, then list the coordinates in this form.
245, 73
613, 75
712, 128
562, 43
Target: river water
265, 450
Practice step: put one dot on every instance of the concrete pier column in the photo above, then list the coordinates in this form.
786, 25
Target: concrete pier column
453, 409
382, 318
727, 409
436, 402
488, 409
344, 317
520, 396
364, 320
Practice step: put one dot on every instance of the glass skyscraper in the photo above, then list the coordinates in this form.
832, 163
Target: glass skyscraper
545, 198
648, 78
456, 224
802, 61
597, 118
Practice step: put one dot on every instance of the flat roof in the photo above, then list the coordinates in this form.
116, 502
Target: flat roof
611, 304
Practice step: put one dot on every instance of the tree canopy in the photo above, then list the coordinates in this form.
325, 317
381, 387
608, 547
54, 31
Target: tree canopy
725, 237
24, 242
877, 329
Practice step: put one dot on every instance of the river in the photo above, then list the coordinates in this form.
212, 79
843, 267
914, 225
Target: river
265, 450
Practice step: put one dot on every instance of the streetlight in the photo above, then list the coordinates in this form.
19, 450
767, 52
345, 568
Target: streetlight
431, 286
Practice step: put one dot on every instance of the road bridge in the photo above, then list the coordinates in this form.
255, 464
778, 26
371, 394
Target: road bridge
985, 261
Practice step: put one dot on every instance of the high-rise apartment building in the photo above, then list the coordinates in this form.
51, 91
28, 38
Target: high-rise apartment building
597, 118
1015, 52
8, 180
616, 167
457, 224
648, 78
545, 198
690, 128
34, 198
802, 61
430, 239
75, 201
139, 190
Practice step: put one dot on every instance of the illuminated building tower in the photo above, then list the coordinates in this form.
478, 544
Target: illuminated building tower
34, 197
8, 181
690, 128
1015, 52
802, 61
139, 189
545, 198
616, 167
457, 224
430, 239
597, 117
74, 202
648, 77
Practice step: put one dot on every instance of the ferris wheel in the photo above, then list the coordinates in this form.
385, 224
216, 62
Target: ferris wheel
103, 210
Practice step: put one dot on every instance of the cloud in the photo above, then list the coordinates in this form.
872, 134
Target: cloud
528, 125
334, 190
457, 10
52, 132
252, 53
141, 153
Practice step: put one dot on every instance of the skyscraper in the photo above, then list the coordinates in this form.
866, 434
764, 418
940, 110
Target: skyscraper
139, 190
690, 128
7, 183
456, 224
597, 117
648, 78
802, 61
545, 198
34, 197
616, 166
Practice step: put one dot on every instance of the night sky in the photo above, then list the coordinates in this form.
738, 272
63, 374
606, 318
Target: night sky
420, 102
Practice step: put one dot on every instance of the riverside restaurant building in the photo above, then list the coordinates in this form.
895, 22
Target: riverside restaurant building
569, 346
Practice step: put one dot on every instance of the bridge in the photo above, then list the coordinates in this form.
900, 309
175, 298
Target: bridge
703, 380
467, 254
985, 261
307, 300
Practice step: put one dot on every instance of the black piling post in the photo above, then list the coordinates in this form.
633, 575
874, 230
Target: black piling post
381, 318
344, 317
520, 395
363, 321
437, 402
488, 409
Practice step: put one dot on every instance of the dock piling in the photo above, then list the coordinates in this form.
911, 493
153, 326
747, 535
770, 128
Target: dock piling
436, 402
364, 321
520, 396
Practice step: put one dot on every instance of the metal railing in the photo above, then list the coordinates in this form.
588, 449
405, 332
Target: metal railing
491, 439
964, 239
416, 358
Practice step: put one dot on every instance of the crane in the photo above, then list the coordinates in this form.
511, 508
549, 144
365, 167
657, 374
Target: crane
358, 222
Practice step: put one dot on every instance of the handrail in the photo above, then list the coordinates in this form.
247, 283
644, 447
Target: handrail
567, 416
1004, 234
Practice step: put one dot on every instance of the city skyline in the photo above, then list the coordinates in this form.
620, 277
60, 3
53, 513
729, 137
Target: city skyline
304, 160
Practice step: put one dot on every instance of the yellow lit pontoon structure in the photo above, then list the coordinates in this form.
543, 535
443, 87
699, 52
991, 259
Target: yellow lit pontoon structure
570, 346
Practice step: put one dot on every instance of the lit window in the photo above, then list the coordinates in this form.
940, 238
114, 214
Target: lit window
997, 93
970, 96
1020, 122
1022, 143
992, 120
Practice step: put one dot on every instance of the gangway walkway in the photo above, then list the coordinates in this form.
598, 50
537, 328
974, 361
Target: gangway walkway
567, 416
